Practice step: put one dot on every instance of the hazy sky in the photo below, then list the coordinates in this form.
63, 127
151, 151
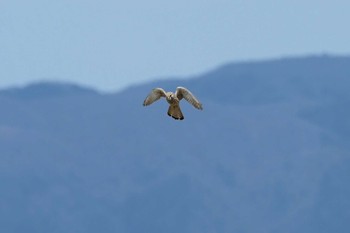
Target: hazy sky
110, 44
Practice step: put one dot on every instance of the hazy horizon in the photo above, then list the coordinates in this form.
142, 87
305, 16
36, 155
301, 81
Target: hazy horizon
167, 77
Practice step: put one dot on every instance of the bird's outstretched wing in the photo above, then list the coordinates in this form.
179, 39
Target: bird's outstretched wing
182, 92
155, 95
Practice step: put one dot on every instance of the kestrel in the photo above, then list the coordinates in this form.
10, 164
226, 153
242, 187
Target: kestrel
174, 100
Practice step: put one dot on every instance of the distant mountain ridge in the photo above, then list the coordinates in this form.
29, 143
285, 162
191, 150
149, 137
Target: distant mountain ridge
269, 153
45, 90
313, 71
274, 78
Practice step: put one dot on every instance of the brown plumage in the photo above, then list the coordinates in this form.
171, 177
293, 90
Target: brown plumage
174, 100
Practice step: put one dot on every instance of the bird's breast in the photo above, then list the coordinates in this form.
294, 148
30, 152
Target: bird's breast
173, 101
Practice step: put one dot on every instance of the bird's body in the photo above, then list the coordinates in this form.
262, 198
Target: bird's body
174, 100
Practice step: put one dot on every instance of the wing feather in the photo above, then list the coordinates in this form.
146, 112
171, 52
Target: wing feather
155, 95
182, 92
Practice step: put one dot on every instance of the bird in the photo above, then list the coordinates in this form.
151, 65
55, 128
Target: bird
173, 99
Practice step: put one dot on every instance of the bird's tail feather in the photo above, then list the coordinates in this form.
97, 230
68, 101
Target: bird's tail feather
175, 112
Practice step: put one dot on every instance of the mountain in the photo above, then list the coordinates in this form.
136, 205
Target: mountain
269, 153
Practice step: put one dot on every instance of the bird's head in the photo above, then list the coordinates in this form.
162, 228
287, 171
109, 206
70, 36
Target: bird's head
170, 96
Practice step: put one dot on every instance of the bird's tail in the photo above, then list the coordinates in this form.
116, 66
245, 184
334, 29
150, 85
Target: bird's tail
175, 112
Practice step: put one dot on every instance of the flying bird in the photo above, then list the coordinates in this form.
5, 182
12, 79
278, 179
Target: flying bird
174, 100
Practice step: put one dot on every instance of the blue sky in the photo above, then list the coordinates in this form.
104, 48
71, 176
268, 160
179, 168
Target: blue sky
112, 44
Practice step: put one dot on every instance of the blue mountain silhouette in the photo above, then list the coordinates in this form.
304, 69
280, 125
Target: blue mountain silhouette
269, 153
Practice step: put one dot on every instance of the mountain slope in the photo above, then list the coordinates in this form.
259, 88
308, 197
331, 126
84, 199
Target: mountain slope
269, 153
